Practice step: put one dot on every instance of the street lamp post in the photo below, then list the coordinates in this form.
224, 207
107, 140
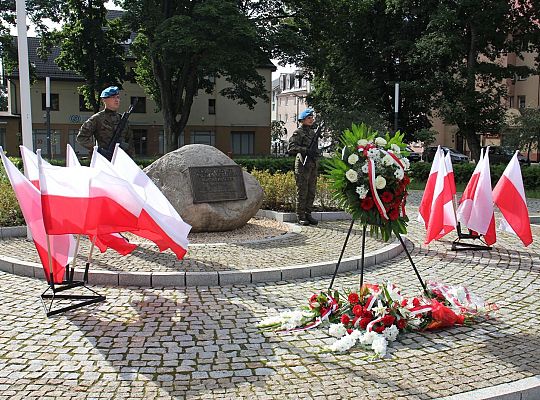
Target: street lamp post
396, 106
48, 113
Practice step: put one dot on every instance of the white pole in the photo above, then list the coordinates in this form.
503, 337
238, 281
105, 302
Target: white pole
47, 91
24, 79
24, 76
396, 106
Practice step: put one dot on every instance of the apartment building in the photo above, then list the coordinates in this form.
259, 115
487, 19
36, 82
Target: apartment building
214, 120
290, 95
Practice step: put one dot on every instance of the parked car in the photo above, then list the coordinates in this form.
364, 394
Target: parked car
503, 155
413, 155
455, 156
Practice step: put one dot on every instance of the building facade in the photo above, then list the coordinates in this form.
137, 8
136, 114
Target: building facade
214, 120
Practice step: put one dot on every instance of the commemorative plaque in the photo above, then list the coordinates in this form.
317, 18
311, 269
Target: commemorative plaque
219, 183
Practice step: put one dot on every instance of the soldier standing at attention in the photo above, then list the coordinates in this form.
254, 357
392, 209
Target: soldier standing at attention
305, 146
100, 127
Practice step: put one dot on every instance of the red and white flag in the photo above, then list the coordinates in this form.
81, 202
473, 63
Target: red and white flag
62, 247
466, 201
442, 218
86, 201
509, 196
476, 204
427, 199
103, 241
450, 173
159, 221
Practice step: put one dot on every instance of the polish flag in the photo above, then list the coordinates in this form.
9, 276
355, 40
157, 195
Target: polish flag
103, 241
30, 165
509, 196
466, 202
442, 218
86, 201
427, 199
62, 247
159, 221
450, 173
479, 203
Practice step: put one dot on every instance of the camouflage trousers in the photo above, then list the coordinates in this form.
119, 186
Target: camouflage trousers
306, 185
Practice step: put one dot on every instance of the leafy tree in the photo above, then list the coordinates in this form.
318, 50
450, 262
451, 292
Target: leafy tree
523, 131
183, 46
277, 130
426, 136
462, 44
90, 45
356, 50
3, 98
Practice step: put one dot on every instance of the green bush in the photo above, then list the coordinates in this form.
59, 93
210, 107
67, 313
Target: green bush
10, 213
280, 191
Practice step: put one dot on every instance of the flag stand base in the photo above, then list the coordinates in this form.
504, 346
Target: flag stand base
69, 283
457, 245
362, 259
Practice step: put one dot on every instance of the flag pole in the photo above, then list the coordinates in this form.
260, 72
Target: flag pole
85, 278
361, 278
49, 256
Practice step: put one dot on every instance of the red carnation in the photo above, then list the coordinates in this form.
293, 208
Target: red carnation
345, 319
401, 324
367, 314
349, 331
393, 214
404, 302
364, 322
354, 298
388, 320
367, 203
313, 297
406, 180
358, 310
379, 329
415, 302
387, 197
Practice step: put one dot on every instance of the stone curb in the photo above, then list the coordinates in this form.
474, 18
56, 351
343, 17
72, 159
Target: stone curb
218, 278
524, 389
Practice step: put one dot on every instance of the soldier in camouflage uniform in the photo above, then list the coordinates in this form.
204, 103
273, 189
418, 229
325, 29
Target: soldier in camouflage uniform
305, 146
100, 127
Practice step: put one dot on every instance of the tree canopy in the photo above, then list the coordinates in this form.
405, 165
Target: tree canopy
184, 46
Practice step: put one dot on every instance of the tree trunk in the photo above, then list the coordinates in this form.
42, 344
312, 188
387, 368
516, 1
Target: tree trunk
473, 141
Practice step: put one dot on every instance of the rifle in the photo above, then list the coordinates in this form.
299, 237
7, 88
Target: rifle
109, 150
314, 140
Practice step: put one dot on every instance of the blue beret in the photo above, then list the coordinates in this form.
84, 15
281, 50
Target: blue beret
306, 113
110, 91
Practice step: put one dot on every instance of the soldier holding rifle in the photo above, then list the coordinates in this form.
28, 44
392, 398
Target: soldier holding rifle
304, 143
107, 127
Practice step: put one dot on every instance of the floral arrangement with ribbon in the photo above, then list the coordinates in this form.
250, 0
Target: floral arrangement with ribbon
369, 179
375, 315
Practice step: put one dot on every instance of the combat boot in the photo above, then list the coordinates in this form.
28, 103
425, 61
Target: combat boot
311, 220
302, 220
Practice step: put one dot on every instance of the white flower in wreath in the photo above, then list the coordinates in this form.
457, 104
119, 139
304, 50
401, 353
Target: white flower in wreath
387, 160
362, 191
391, 333
368, 337
399, 174
406, 163
343, 344
365, 168
337, 330
379, 141
362, 142
380, 309
351, 175
380, 182
353, 159
379, 345
373, 152
395, 148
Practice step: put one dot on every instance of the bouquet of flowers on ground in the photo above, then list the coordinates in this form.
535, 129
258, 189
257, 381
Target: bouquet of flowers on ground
373, 316
321, 307
369, 179
444, 306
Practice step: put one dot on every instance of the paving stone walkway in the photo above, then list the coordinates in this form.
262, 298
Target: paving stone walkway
202, 342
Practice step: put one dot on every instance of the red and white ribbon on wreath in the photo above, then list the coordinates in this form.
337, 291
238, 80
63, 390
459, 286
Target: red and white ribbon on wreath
319, 320
373, 187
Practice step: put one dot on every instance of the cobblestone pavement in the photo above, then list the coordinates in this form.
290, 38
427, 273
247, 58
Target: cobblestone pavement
202, 343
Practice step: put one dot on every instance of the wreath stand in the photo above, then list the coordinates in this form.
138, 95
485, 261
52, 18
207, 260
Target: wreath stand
67, 284
362, 260
458, 245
